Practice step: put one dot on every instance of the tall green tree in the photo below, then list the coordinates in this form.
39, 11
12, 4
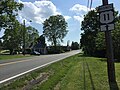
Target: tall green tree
55, 29
90, 26
100, 39
93, 41
12, 38
8, 12
116, 39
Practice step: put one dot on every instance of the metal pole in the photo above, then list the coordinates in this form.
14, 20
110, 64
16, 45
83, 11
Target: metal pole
110, 56
24, 37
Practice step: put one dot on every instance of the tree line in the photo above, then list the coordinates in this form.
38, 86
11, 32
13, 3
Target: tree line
93, 40
13, 34
17, 35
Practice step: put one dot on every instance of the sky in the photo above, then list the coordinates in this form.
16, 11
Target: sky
72, 10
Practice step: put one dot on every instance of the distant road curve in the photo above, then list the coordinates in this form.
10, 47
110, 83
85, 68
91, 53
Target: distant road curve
11, 69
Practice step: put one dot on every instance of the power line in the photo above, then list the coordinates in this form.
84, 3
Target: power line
91, 4
87, 5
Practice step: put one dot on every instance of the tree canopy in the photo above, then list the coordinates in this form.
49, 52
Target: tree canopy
55, 29
74, 45
31, 36
8, 12
93, 41
90, 26
13, 37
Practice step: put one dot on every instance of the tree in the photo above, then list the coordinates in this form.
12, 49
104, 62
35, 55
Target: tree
116, 39
31, 36
41, 39
12, 38
55, 29
93, 41
90, 26
100, 45
100, 40
8, 12
0, 44
74, 46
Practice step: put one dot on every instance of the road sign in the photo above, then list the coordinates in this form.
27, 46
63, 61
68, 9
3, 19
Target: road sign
106, 15
109, 26
105, 8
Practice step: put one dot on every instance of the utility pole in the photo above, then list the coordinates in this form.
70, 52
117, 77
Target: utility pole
24, 31
110, 56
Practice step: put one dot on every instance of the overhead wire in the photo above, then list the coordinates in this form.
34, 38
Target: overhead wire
91, 4
87, 5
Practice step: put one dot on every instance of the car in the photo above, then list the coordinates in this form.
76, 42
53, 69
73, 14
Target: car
35, 53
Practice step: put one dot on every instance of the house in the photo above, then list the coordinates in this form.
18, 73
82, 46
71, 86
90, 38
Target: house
39, 47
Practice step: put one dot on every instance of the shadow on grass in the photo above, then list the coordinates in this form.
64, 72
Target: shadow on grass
84, 79
113, 86
82, 55
105, 60
90, 75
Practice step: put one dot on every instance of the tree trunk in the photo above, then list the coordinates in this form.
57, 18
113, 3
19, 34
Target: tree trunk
54, 42
11, 51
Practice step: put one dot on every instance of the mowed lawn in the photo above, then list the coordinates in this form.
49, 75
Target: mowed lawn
77, 72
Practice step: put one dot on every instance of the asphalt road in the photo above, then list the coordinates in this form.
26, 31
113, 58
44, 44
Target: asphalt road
11, 69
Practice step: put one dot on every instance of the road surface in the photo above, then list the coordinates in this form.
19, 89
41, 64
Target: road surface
10, 69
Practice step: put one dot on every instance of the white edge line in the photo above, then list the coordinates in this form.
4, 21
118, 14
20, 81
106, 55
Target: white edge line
5, 80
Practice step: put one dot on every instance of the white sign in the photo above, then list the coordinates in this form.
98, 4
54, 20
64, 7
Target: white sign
109, 26
106, 17
106, 7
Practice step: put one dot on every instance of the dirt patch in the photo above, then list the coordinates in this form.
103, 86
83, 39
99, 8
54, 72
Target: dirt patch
43, 77
57, 87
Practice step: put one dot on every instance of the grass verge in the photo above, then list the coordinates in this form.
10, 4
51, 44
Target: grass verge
74, 73
7, 57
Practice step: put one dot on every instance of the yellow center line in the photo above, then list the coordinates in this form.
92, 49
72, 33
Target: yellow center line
4, 64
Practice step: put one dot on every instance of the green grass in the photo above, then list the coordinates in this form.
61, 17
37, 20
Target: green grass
7, 57
74, 73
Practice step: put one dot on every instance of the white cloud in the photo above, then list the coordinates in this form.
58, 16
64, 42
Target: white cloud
79, 11
78, 18
67, 18
38, 11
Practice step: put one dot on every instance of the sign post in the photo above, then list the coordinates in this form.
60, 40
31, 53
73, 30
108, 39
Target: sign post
107, 24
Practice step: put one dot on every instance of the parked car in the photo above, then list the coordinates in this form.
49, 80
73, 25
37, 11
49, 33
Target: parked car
35, 53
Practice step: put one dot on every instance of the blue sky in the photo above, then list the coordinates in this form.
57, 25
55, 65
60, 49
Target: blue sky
72, 10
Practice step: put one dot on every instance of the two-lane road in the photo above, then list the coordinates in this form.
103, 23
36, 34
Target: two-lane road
15, 68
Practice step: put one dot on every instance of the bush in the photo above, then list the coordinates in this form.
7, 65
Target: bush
57, 50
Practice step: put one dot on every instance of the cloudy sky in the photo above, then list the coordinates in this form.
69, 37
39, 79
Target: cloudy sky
72, 10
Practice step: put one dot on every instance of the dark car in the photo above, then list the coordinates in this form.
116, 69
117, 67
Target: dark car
35, 53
